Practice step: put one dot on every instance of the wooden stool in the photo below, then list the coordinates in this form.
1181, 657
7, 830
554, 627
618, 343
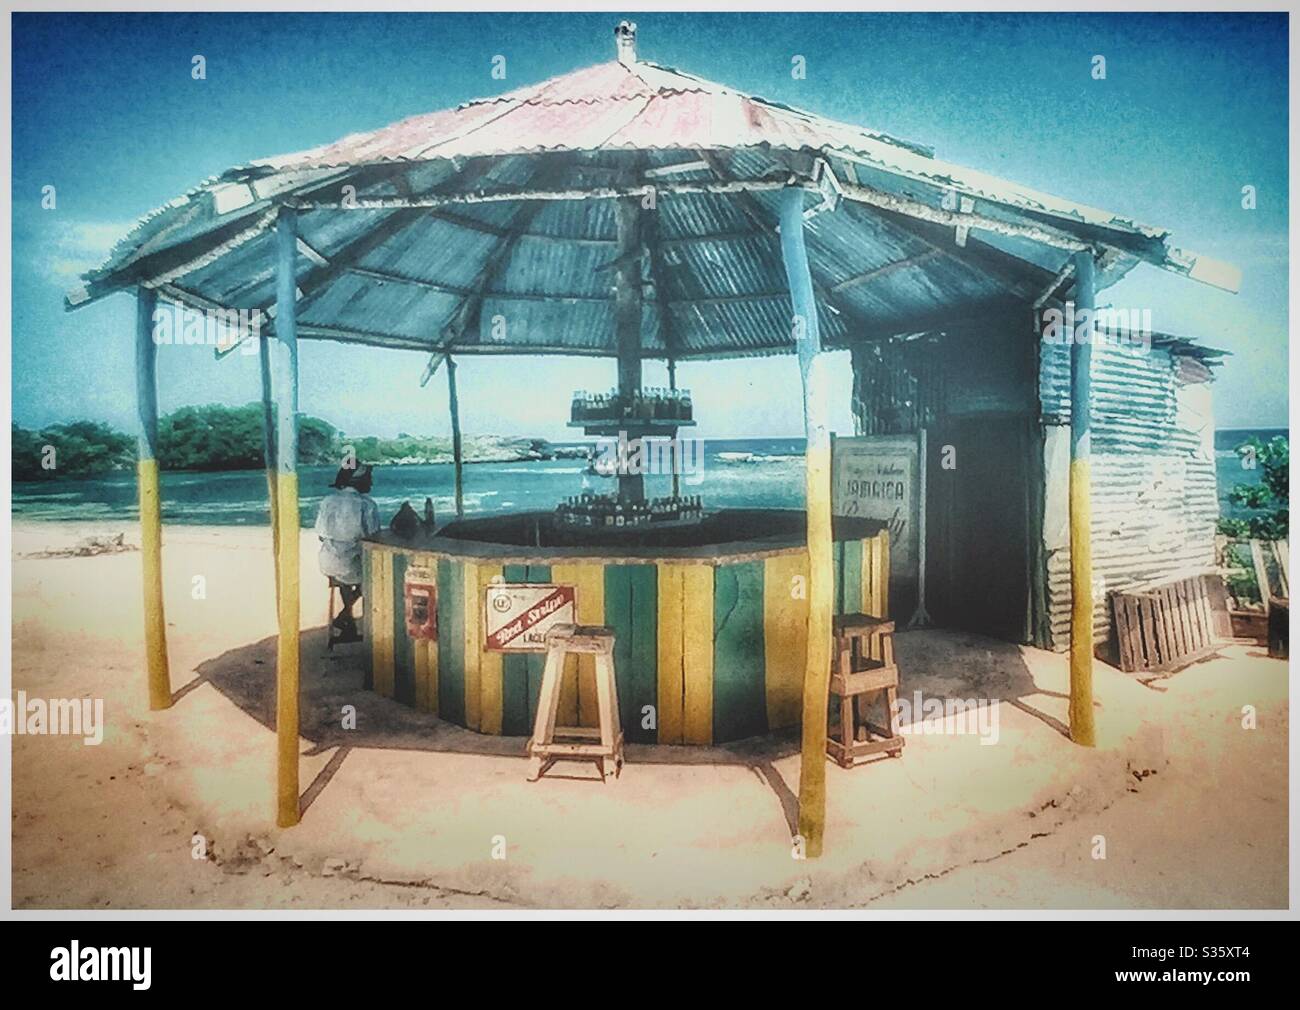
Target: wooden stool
863, 671
549, 742
333, 636
331, 633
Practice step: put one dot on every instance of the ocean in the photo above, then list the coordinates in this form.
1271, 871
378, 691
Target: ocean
749, 473
735, 473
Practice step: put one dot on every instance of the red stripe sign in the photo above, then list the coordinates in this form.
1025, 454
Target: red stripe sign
519, 616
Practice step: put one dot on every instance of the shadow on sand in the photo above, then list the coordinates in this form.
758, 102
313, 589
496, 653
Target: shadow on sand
943, 664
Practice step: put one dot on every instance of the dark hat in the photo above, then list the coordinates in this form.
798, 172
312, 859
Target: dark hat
347, 475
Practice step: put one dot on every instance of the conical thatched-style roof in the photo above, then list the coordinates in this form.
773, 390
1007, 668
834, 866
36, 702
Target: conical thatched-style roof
490, 228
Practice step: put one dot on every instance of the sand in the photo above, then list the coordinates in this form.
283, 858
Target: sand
405, 811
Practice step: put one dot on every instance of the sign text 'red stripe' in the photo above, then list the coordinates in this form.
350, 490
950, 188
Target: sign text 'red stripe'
540, 611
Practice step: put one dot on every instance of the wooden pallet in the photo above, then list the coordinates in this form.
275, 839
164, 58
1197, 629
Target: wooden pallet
1164, 627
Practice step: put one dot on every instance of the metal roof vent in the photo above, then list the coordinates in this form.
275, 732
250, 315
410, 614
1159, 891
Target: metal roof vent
625, 40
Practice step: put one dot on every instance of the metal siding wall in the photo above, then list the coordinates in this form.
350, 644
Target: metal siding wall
1154, 494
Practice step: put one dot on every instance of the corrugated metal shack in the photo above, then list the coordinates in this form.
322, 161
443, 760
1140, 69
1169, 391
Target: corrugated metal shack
998, 527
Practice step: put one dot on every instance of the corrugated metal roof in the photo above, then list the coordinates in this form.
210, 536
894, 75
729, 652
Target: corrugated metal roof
712, 277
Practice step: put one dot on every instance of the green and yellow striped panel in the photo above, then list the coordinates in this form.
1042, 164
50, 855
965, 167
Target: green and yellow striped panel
425, 651
739, 652
379, 602
684, 653
451, 640
719, 650
578, 689
632, 611
861, 576
785, 632
367, 617
519, 674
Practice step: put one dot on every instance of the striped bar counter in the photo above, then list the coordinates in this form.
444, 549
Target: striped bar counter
710, 635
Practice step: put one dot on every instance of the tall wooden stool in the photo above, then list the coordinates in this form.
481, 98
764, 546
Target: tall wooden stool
332, 634
601, 744
863, 672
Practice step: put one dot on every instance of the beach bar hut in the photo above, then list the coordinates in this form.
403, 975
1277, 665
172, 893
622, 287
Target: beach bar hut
632, 211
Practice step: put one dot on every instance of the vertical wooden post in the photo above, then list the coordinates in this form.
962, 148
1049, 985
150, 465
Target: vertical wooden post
821, 595
268, 452
457, 456
627, 325
1082, 730
286, 465
146, 391
672, 385
858, 364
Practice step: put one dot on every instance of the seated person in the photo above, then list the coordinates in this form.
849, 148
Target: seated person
346, 515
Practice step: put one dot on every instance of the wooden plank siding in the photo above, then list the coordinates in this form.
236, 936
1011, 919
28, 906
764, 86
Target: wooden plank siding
739, 656
632, 610
706, 652
451, 640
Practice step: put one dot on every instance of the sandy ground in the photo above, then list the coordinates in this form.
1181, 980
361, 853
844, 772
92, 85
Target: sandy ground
404, 811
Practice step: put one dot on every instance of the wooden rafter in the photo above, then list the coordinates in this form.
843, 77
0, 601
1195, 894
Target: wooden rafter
754, 211
883, 271
467, 314
350, 255
1023, 277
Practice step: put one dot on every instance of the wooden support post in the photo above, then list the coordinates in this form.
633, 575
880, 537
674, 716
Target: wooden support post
858, 365
268, 451
821, 594
1082, 730
672, 385
627, 325
146, 388
453, 402
286, 465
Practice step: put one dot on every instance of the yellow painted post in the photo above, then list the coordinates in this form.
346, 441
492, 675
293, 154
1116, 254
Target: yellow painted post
1082, 730
146, 385
817, 465
286, 494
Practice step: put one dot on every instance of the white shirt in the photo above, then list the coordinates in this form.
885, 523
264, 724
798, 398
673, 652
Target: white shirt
345, 517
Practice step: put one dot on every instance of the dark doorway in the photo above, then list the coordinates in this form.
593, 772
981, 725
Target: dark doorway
978, 523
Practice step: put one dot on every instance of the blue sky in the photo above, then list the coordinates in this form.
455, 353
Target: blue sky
1193, 108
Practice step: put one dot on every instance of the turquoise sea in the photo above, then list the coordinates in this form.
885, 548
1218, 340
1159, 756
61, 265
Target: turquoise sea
735, 473
742, 472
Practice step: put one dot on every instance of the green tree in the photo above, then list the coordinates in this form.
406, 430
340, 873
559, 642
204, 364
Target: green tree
80, 448
317, 441
218, 437
1268, 500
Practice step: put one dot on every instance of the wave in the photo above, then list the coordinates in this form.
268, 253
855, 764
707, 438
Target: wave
755, 457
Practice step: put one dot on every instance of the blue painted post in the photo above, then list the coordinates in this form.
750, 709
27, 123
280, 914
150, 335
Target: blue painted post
817, 464
457, 450
268, 450
146, 390
286, 465
1082, 730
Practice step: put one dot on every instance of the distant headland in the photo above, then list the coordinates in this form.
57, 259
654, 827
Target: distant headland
217, 437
